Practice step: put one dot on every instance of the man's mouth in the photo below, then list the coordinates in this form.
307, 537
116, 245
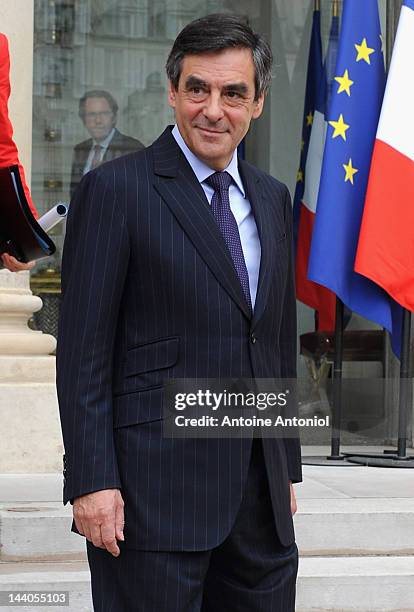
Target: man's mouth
210, 131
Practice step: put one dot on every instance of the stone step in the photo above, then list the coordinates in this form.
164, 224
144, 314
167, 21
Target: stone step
330, 584
355, 584
334, 527
72, 577
38, 532
358, 526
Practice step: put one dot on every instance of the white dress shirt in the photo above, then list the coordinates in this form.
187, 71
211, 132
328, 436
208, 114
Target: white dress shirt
240, 207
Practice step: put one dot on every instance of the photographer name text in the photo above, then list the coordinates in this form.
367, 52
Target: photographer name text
226, 421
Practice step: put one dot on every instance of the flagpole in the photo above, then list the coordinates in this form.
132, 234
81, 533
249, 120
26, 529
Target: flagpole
338, 357
336, 458
337, 378
404, 397
317, 5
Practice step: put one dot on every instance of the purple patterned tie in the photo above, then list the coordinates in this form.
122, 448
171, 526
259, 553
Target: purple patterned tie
220, 205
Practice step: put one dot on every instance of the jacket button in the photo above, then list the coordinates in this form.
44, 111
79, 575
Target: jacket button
253, 338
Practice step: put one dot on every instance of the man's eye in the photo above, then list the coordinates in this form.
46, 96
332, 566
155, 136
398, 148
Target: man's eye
196, 90
233, 94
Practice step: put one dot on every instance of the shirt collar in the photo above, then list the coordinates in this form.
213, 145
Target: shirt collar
105, 143
202, 170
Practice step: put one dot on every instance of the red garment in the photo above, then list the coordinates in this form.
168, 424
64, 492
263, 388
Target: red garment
9, 154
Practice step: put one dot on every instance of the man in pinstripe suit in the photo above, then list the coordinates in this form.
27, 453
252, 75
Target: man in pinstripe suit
178, 264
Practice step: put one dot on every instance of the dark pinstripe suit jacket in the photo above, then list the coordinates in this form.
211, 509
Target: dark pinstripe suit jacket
150, 293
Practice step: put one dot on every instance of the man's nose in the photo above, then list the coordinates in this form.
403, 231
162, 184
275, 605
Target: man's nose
213, 110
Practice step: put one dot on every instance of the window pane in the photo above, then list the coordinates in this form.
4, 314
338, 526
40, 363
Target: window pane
120, 47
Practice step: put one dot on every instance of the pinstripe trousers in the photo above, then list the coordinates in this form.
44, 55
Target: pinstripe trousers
251, 571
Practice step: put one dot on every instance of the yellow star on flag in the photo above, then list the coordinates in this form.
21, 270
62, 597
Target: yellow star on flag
299, 176
345, 83
302, 144
309, 119
340, 127
364, 51
349, 171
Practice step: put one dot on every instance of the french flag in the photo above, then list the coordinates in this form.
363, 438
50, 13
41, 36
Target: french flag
321, 299
386, 242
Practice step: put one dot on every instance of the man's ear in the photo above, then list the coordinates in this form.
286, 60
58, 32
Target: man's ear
171, 94
258, 106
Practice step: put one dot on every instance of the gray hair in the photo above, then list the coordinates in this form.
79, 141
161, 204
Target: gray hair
218, 32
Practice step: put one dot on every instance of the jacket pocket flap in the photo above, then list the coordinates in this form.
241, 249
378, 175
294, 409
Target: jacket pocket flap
138, 407
152, 356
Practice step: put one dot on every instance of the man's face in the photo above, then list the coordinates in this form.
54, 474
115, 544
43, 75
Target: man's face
215, 103
98, 118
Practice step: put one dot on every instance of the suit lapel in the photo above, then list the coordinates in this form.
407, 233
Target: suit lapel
84, 154
177, 184
261, 212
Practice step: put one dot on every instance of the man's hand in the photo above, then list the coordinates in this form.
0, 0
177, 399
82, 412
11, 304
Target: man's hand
293, 504
99, 516
14, 265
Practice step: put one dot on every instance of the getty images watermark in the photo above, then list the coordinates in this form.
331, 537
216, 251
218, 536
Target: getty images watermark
235, 408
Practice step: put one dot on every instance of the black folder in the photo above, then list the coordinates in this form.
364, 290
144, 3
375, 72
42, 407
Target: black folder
20, 233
